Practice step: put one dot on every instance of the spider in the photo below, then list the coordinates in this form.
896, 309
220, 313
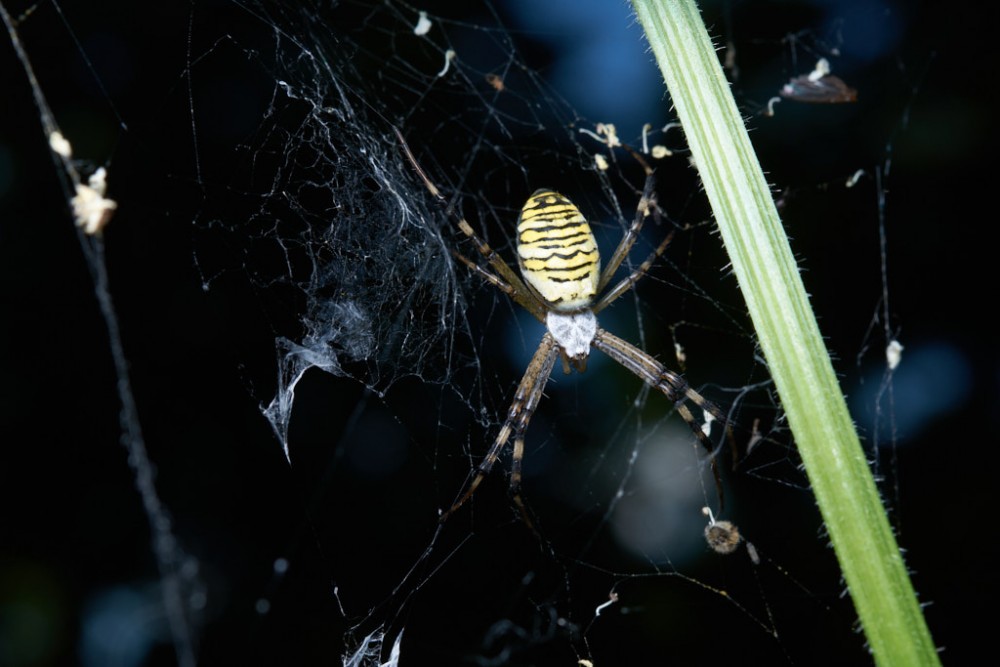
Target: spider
562, 278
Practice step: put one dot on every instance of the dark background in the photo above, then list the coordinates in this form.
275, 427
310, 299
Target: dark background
75, 544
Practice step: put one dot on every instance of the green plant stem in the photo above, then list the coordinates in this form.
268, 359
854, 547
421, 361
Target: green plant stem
762, 260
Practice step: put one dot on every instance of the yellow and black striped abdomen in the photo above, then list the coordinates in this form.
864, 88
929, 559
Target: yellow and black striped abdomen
557, 251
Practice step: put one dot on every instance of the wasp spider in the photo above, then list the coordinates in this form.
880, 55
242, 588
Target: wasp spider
559, 260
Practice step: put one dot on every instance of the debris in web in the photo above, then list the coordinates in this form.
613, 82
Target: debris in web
818, 87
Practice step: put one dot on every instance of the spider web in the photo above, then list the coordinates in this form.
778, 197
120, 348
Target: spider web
363, 250
323, 251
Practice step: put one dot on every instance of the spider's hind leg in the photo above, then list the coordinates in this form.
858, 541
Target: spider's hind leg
515, 483
674, 387
529, 393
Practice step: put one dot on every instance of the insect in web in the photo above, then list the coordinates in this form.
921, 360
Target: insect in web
565, 288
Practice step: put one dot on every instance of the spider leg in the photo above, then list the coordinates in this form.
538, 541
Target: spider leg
519, 291
673, 386
647, 206
515, 481
508, 280
529, 393
484, 274
628, 281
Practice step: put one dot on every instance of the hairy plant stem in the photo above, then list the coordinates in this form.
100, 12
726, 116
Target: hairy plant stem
786, 327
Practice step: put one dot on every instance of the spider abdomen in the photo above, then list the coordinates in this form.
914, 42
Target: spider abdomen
557, 251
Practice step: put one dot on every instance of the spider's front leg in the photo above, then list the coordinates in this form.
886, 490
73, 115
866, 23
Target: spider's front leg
529, 393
